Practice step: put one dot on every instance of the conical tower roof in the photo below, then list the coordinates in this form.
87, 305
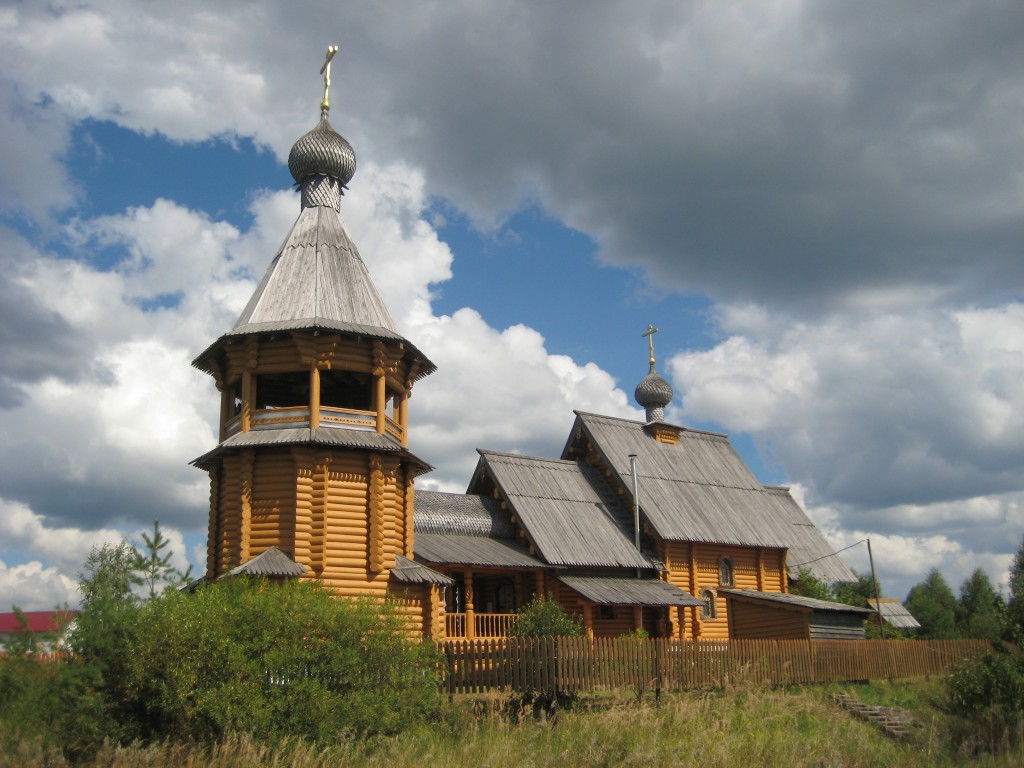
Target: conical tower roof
317, 280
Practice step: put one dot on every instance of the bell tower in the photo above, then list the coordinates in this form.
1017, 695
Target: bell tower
315, 380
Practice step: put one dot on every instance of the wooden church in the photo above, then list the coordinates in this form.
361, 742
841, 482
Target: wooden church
637, 525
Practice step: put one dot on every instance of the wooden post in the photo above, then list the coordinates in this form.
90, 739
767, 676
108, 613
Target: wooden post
403, 417
470, 610
314, 397
539, 583
588, 619
247, 398
225, 412
638, 617
380, 402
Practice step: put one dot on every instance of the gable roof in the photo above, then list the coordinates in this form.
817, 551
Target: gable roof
701, 490
808, 548
566, 508
463, 529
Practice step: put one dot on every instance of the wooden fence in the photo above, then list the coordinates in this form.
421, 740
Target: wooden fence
583, 664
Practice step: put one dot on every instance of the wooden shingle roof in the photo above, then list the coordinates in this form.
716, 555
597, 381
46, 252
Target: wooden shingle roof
894, 613
566, 508
410, 572
795, 602
605, 590
463, 529
701, 490
318, 282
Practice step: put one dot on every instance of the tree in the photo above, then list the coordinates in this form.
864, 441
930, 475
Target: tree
857, 593
1015, 606
153, 564
809, 585
544, 617
980, 610
933, 605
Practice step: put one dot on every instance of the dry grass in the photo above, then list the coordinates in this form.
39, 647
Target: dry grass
744, 726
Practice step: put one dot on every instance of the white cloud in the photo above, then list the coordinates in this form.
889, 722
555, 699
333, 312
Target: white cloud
33, 587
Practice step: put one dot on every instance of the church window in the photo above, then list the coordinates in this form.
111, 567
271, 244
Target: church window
725, 575
708, 610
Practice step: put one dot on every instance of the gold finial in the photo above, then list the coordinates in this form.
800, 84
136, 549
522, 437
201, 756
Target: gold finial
325, 70
651, 330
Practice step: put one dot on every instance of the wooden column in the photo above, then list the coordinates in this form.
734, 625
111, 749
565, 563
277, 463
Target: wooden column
225, 412
380, 401
760, 569
783, 578
470, 610
588, 619
314, 397
247, 400
539, 583
680, 624
403, 417
638, 617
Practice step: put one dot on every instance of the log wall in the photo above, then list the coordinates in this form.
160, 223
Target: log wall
694, 567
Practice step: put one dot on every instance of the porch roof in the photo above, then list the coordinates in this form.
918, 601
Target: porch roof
474, 550
410, 572
604, 590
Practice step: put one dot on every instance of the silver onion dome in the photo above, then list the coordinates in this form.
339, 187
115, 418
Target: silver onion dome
653, 393
322, 163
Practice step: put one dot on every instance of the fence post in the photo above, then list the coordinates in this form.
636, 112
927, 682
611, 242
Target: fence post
657, 671
450, 659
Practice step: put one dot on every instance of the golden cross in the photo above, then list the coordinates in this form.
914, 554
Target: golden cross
651, 330
325, 70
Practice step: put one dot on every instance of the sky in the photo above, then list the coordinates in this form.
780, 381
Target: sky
819, 204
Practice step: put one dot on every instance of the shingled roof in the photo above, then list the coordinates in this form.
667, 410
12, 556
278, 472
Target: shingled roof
318, 282
463, 529
567, 509
701, 490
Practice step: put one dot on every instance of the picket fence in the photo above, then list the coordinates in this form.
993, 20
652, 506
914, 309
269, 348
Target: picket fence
571, 664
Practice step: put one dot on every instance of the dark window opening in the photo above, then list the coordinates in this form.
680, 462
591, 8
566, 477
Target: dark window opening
606, 612
344, 389
282, 390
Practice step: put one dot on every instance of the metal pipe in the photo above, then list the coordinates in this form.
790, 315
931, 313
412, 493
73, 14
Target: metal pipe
636, 505
874, 582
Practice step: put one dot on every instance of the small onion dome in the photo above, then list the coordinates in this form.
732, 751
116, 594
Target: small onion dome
324, 152
653, 394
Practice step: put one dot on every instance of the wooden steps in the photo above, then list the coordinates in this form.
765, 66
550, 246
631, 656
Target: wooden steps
892, 721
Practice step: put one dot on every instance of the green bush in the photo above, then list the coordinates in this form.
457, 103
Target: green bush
986, 698
544, 617
274, 660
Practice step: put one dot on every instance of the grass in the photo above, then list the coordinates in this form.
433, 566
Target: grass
742, 726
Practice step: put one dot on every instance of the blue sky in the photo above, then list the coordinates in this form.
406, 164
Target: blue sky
821, 211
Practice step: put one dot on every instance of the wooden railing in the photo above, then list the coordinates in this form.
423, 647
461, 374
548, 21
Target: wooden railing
485, 625
578, 664
298, 416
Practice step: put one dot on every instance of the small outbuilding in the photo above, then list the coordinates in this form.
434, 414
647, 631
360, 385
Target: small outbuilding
772, 616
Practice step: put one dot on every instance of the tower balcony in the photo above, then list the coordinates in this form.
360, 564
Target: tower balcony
299, 416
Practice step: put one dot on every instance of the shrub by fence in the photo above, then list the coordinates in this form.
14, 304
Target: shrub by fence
569, 664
